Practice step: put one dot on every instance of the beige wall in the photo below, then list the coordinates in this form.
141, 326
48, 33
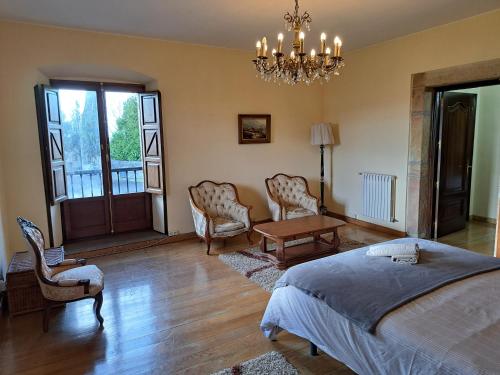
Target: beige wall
3, 230
486, 163
371, 102
203, 90
486, 158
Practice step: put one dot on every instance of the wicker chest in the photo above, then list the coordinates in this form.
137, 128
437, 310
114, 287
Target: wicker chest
23, 292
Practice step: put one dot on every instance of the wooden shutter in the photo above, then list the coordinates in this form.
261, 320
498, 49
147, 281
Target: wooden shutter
51, 143
152, 141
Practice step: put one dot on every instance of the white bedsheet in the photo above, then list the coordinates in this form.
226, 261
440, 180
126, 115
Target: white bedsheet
453, 330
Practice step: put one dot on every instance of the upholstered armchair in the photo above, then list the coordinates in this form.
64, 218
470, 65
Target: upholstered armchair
68, 281
289, 197
218, 212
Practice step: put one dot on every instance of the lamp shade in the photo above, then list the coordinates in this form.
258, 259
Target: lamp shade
322, 134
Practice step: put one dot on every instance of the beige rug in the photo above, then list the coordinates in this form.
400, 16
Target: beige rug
271, 363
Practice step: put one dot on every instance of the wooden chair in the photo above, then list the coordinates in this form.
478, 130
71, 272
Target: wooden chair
218, 212
69, 281
289, 197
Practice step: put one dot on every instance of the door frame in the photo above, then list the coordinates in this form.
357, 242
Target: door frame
100, 88
422, 135
437, 119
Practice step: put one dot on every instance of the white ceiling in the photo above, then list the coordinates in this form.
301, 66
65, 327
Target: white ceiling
238, 23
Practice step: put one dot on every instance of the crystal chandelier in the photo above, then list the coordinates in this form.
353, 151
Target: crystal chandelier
298, 66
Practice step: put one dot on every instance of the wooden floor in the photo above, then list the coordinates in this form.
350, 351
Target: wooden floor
477, 236
169, 309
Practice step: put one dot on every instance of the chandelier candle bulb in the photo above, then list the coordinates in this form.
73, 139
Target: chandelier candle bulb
328, 51
301, 38
264, 47
323, 42
313, 54
280, 43
337, 44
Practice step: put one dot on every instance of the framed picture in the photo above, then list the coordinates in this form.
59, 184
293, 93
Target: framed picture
254, 129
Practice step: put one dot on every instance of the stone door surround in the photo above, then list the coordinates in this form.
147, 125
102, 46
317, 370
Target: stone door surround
420, 180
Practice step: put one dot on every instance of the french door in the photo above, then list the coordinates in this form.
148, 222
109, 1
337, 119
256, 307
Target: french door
106, 181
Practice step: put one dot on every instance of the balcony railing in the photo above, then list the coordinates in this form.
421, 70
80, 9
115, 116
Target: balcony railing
86, 184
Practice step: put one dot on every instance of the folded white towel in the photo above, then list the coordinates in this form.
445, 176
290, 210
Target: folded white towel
407, 259
389, 250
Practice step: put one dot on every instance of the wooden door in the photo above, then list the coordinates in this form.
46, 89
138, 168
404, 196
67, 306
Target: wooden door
51, 141
458, 113
131, 208
86, 213
152, 141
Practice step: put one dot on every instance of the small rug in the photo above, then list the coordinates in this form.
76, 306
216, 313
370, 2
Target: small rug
271, 363
260, 270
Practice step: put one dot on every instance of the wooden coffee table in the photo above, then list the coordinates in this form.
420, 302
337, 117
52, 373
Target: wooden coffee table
293, 229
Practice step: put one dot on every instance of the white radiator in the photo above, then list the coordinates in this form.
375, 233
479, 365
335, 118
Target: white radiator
379, 196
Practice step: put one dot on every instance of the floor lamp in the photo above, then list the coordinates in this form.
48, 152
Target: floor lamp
322, 135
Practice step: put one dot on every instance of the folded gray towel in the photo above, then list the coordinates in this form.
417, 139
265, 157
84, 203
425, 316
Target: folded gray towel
399, 253
392, 249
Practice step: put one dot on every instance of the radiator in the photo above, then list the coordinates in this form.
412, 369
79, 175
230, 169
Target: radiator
379, 196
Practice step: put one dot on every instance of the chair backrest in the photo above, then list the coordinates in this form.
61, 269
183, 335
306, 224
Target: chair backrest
287, 190
36, 248
214, 198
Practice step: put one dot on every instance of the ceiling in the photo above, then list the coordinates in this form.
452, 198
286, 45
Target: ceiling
238, 23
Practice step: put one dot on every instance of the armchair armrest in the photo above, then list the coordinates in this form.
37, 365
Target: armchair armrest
310, 202
75, 282
200, 218
275, 207
239, 212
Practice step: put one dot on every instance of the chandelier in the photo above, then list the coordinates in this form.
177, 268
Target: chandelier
298, 66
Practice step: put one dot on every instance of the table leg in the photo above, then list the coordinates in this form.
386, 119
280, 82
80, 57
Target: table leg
263, 244
280, 254
335, 240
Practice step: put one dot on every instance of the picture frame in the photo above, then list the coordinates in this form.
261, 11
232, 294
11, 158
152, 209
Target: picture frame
254, 129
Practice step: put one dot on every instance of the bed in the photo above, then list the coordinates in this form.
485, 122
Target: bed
452, 330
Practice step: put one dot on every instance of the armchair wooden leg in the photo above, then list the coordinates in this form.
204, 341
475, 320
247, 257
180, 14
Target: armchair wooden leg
249, 237
46, 316
98, 305
208, 246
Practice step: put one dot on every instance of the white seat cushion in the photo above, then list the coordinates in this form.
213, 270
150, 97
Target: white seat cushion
223, 224
295, 212
90, 272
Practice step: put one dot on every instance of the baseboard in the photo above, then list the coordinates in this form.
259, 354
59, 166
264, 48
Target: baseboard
140, 245
483, 219
367, 225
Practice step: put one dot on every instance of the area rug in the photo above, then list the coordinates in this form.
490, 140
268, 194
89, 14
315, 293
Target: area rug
271, 363
261, 271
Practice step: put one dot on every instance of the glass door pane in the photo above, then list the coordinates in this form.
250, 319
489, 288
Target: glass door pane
82, 150
124, 142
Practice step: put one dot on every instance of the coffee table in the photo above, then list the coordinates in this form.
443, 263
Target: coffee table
293, 229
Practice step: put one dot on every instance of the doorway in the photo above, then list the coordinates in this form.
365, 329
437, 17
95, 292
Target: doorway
467, 167
100, 155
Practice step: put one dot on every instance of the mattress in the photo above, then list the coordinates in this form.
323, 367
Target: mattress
453, 330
